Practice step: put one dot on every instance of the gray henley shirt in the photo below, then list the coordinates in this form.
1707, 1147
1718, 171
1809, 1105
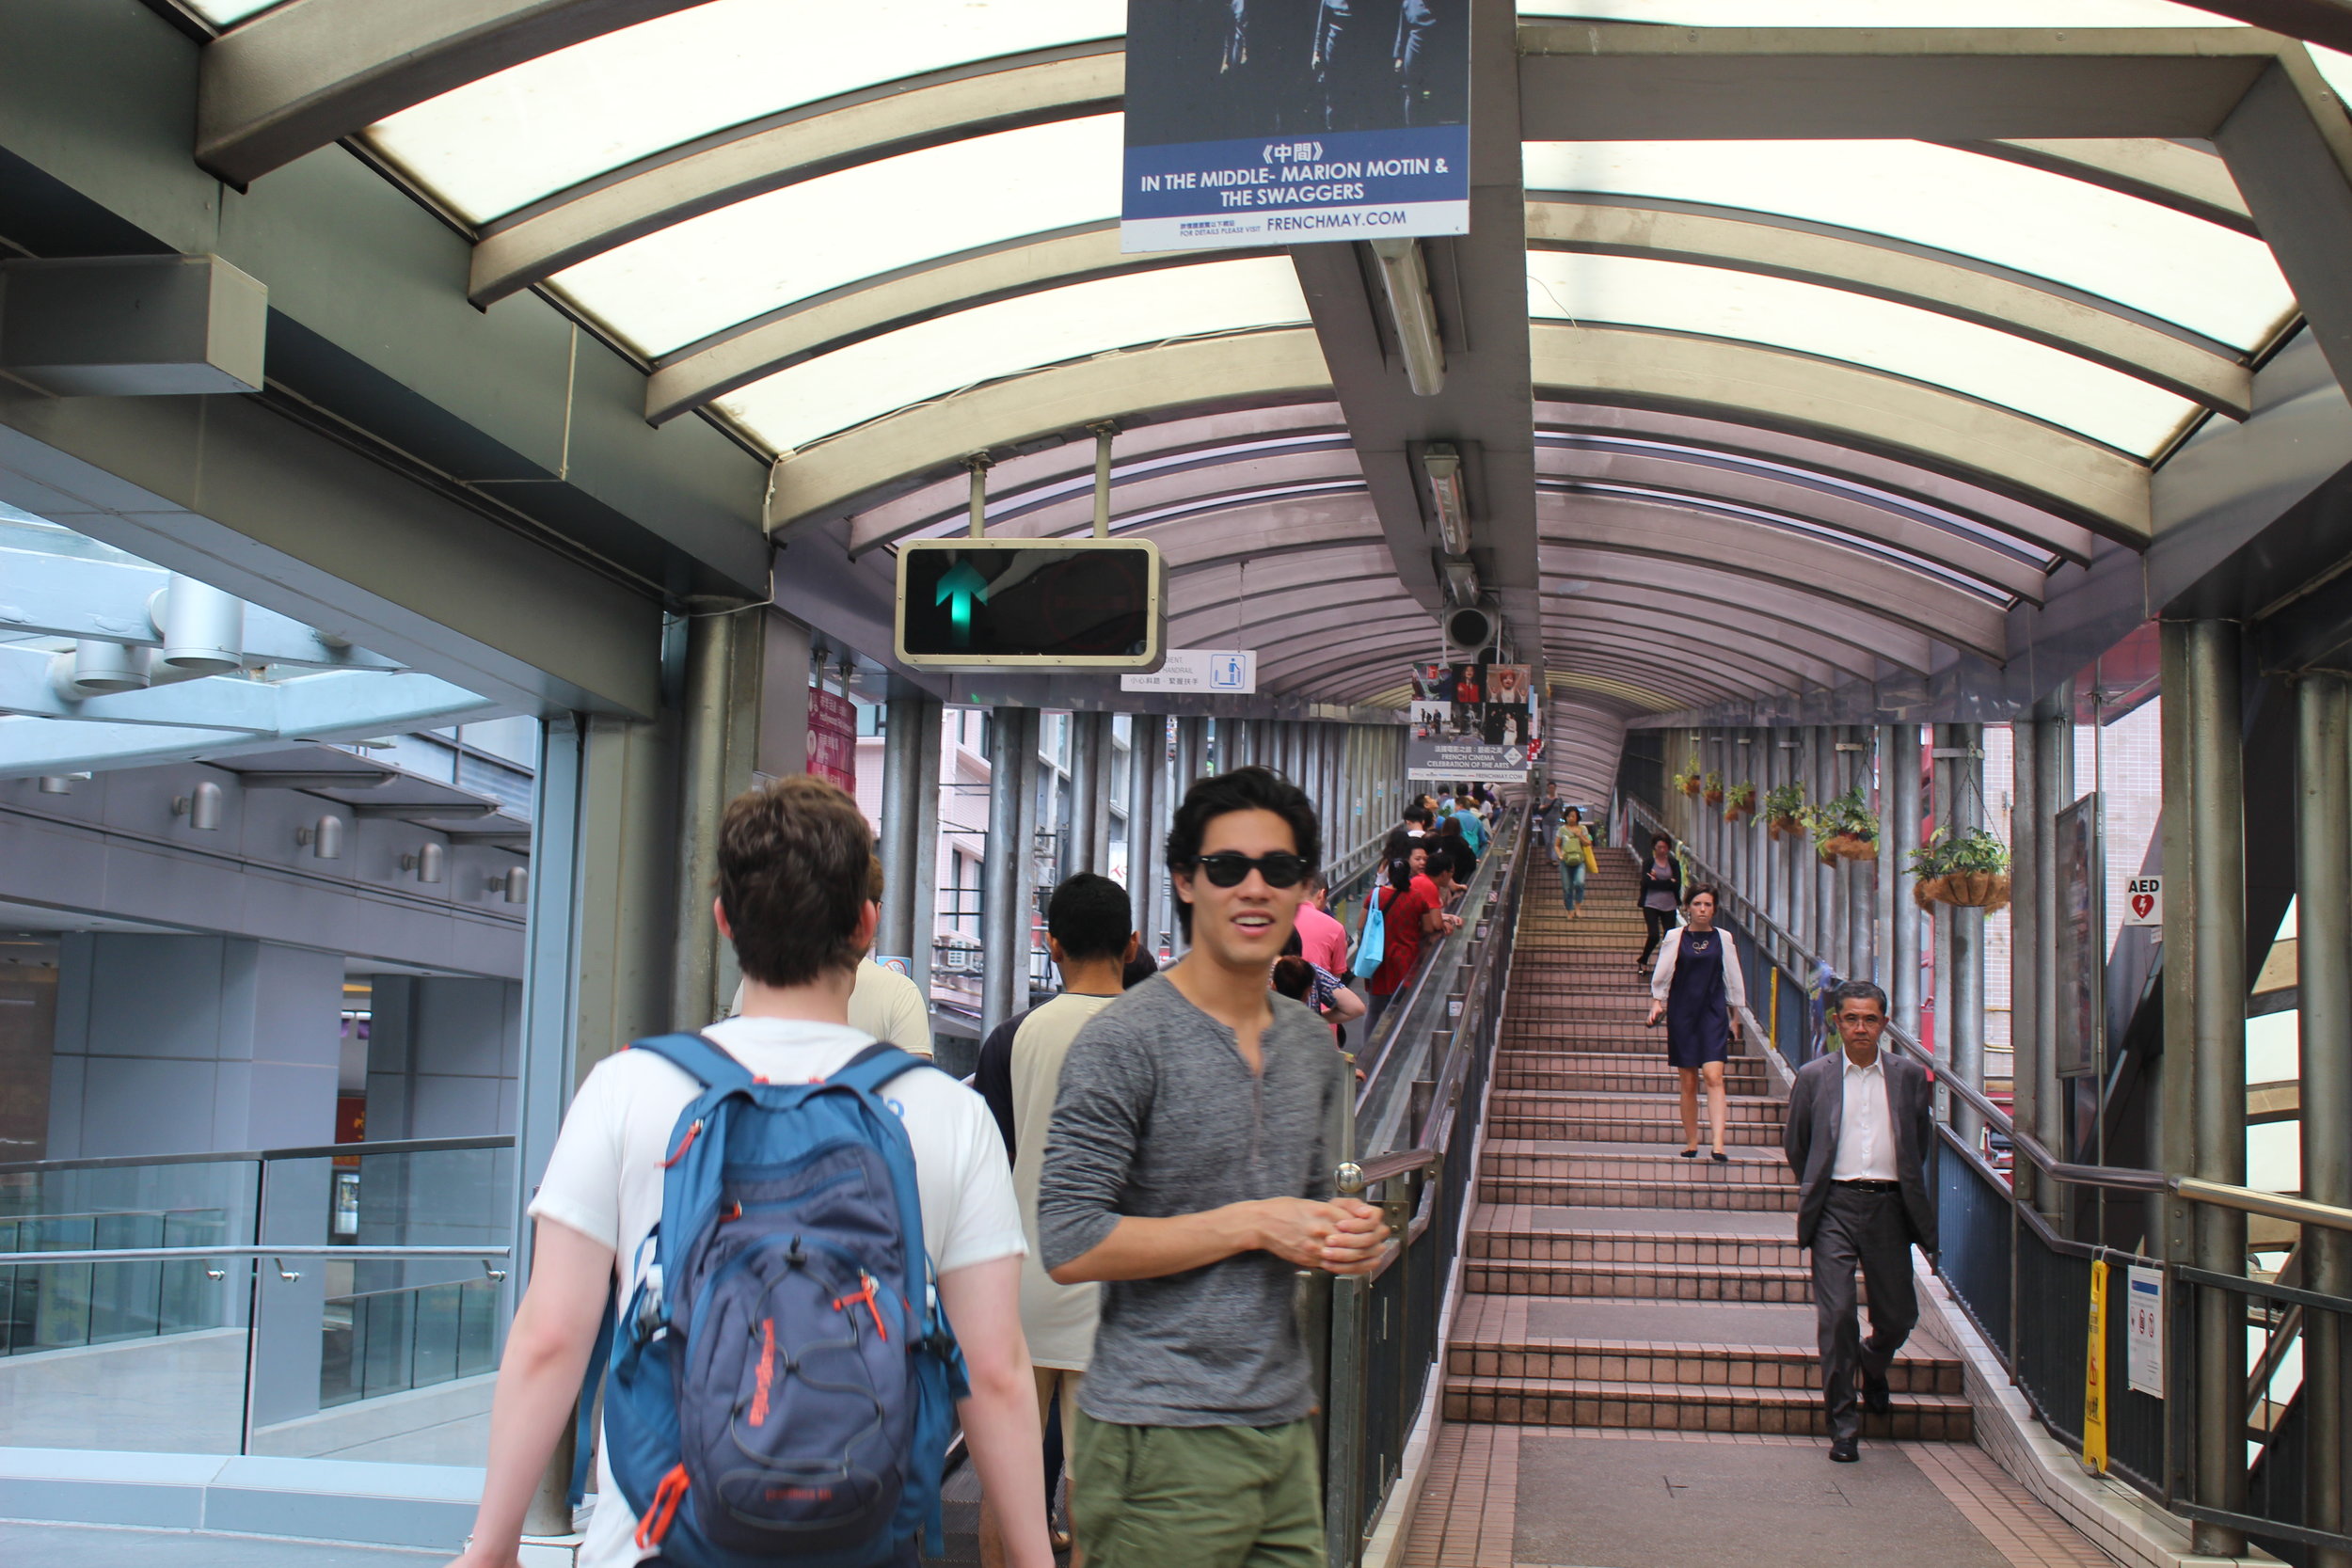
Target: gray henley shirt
1159, 1115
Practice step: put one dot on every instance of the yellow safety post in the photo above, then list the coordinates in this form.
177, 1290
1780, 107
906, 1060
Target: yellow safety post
2095, 1374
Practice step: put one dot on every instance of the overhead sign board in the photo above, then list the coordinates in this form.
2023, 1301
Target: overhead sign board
832, 739
1278, 124
1012, 604
1472, 723
1208, 671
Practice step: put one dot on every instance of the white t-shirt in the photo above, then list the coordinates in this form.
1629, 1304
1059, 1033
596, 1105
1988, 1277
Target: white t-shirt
1059, 1320
604, 1179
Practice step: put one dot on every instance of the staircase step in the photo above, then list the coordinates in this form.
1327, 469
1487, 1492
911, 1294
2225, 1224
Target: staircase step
1652, 1079
1779, 1286
1679, 1407
1501, 1233
1663, 1129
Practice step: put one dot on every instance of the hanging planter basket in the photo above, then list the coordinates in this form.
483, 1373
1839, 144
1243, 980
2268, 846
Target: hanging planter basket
1785, 826
1970, 890
1849, 846
1689, 786
1714, 797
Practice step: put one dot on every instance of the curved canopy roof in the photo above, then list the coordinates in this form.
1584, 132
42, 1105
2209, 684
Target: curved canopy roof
1849, 377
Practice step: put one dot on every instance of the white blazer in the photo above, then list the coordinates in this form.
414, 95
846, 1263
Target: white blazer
1662, 978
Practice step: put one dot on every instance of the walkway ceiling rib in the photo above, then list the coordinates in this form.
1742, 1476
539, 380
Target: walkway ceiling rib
1319, 475
803, 143
312, 72
929, 441
1709, 586
1843, 403
1833, 572
2190, 182
1662, 651
1863, 264
2003, 569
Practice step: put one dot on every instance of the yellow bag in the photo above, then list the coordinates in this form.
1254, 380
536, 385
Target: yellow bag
1592, 865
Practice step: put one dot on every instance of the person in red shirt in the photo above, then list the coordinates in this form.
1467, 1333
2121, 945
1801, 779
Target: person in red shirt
1409, 912
1322, 939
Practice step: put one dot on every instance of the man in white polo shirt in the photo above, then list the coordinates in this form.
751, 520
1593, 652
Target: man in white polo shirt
794, 859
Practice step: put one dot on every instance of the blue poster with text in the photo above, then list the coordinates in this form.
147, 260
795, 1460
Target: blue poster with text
1269, 122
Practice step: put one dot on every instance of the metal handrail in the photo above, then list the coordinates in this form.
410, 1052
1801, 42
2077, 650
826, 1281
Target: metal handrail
2113, 1178
305, 1151
348, 1254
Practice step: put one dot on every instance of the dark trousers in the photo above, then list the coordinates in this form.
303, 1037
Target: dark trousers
1661, 922
1866, 1230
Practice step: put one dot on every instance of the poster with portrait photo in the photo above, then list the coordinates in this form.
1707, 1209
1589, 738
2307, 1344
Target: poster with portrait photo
1472, 723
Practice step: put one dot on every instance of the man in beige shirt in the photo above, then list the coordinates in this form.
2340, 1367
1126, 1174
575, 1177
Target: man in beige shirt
1090, 935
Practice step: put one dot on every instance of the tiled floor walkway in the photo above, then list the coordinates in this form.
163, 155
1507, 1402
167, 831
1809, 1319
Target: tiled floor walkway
1631, 1380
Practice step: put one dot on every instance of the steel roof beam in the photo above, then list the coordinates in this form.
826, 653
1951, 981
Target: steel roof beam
929, 441
1228, 486
1948, 285
2149, 169
1670, 476
1175, 445
1864, 627
312, 72
1657, 650
1835, 573
801, 143
1628, 82
1752, 442
1989, 446
1673, 682
2327, 21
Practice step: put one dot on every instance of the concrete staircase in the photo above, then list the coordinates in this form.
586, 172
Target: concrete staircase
1608, 1281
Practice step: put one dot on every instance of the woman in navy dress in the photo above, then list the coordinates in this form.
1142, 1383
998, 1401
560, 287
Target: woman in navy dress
1697, 989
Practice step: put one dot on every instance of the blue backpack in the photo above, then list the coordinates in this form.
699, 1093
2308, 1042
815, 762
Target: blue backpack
785, 1381
1372, 945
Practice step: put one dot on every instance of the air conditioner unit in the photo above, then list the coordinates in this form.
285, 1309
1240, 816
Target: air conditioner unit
1469, 634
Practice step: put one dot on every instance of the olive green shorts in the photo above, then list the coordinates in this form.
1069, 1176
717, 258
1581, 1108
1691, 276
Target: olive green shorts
1195, 1496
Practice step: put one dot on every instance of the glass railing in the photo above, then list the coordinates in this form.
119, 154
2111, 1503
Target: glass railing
245, 1303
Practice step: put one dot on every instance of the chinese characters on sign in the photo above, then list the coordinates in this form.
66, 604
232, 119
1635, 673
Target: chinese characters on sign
832, 739
1254, 122
1213, 671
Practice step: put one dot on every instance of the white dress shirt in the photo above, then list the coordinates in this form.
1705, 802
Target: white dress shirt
1865, 1126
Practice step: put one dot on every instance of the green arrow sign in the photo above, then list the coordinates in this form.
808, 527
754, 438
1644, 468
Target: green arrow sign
962, 586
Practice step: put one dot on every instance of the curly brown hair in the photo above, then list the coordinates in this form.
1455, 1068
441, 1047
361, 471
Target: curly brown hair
796, 870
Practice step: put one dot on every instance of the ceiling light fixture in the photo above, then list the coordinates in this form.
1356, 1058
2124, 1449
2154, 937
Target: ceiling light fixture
1405, 283
1443, 463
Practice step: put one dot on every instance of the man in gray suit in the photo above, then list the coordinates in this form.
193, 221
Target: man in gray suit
1860, 1135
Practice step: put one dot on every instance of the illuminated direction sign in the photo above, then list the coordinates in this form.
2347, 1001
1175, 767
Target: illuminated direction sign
999, 604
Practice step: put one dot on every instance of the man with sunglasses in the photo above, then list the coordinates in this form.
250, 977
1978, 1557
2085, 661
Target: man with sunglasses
1188, 1168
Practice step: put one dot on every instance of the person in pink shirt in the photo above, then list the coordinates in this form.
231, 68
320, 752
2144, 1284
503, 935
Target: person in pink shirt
1322, 939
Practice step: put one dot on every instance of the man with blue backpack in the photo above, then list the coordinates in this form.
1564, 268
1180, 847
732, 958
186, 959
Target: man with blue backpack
1189, 1166
813, 1246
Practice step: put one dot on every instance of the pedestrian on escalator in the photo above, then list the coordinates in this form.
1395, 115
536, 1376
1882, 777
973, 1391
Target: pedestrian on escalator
1548, 817
1573, 851
1661, 895
1454, 851
1698, 990
1411, 911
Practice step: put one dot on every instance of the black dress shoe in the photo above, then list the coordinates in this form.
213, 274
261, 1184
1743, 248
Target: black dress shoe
1845, 1451
1877, 1398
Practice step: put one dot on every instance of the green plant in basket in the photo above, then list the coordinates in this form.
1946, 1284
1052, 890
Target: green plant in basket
1739, 801
1713, 787
1969, 872
1846, 828
1784, 809
1691, 779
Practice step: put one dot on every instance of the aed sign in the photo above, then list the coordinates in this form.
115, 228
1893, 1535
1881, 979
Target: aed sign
1012, 604
2143, 901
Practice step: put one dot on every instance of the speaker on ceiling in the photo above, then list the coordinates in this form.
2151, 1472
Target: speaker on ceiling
1470, 630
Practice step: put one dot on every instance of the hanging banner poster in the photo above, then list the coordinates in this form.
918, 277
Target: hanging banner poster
1471, 723
1257, 122
832, 739
2081, 940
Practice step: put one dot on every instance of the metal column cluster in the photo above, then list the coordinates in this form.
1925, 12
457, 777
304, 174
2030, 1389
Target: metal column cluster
2324, 979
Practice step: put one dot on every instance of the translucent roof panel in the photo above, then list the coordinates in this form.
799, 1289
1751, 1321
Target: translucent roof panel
549, 123
2221, 284
227, 13
850, 385
693, 278
2076, 394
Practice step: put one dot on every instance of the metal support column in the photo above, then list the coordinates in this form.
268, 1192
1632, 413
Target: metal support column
1796, 751
2054, 788
1829, 911
2202, 1113
2324, 961
720, 744
1084, 841
902, 809
1147, 758
2029, 1048
932, 721
1012, 737
1894, 860
1899, 772
1967, 940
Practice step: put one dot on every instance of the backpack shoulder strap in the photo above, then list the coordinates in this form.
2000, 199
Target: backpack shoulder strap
699, 1059
875, 1066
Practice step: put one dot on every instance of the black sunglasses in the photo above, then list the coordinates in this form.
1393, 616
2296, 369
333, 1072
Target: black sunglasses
1226, 869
